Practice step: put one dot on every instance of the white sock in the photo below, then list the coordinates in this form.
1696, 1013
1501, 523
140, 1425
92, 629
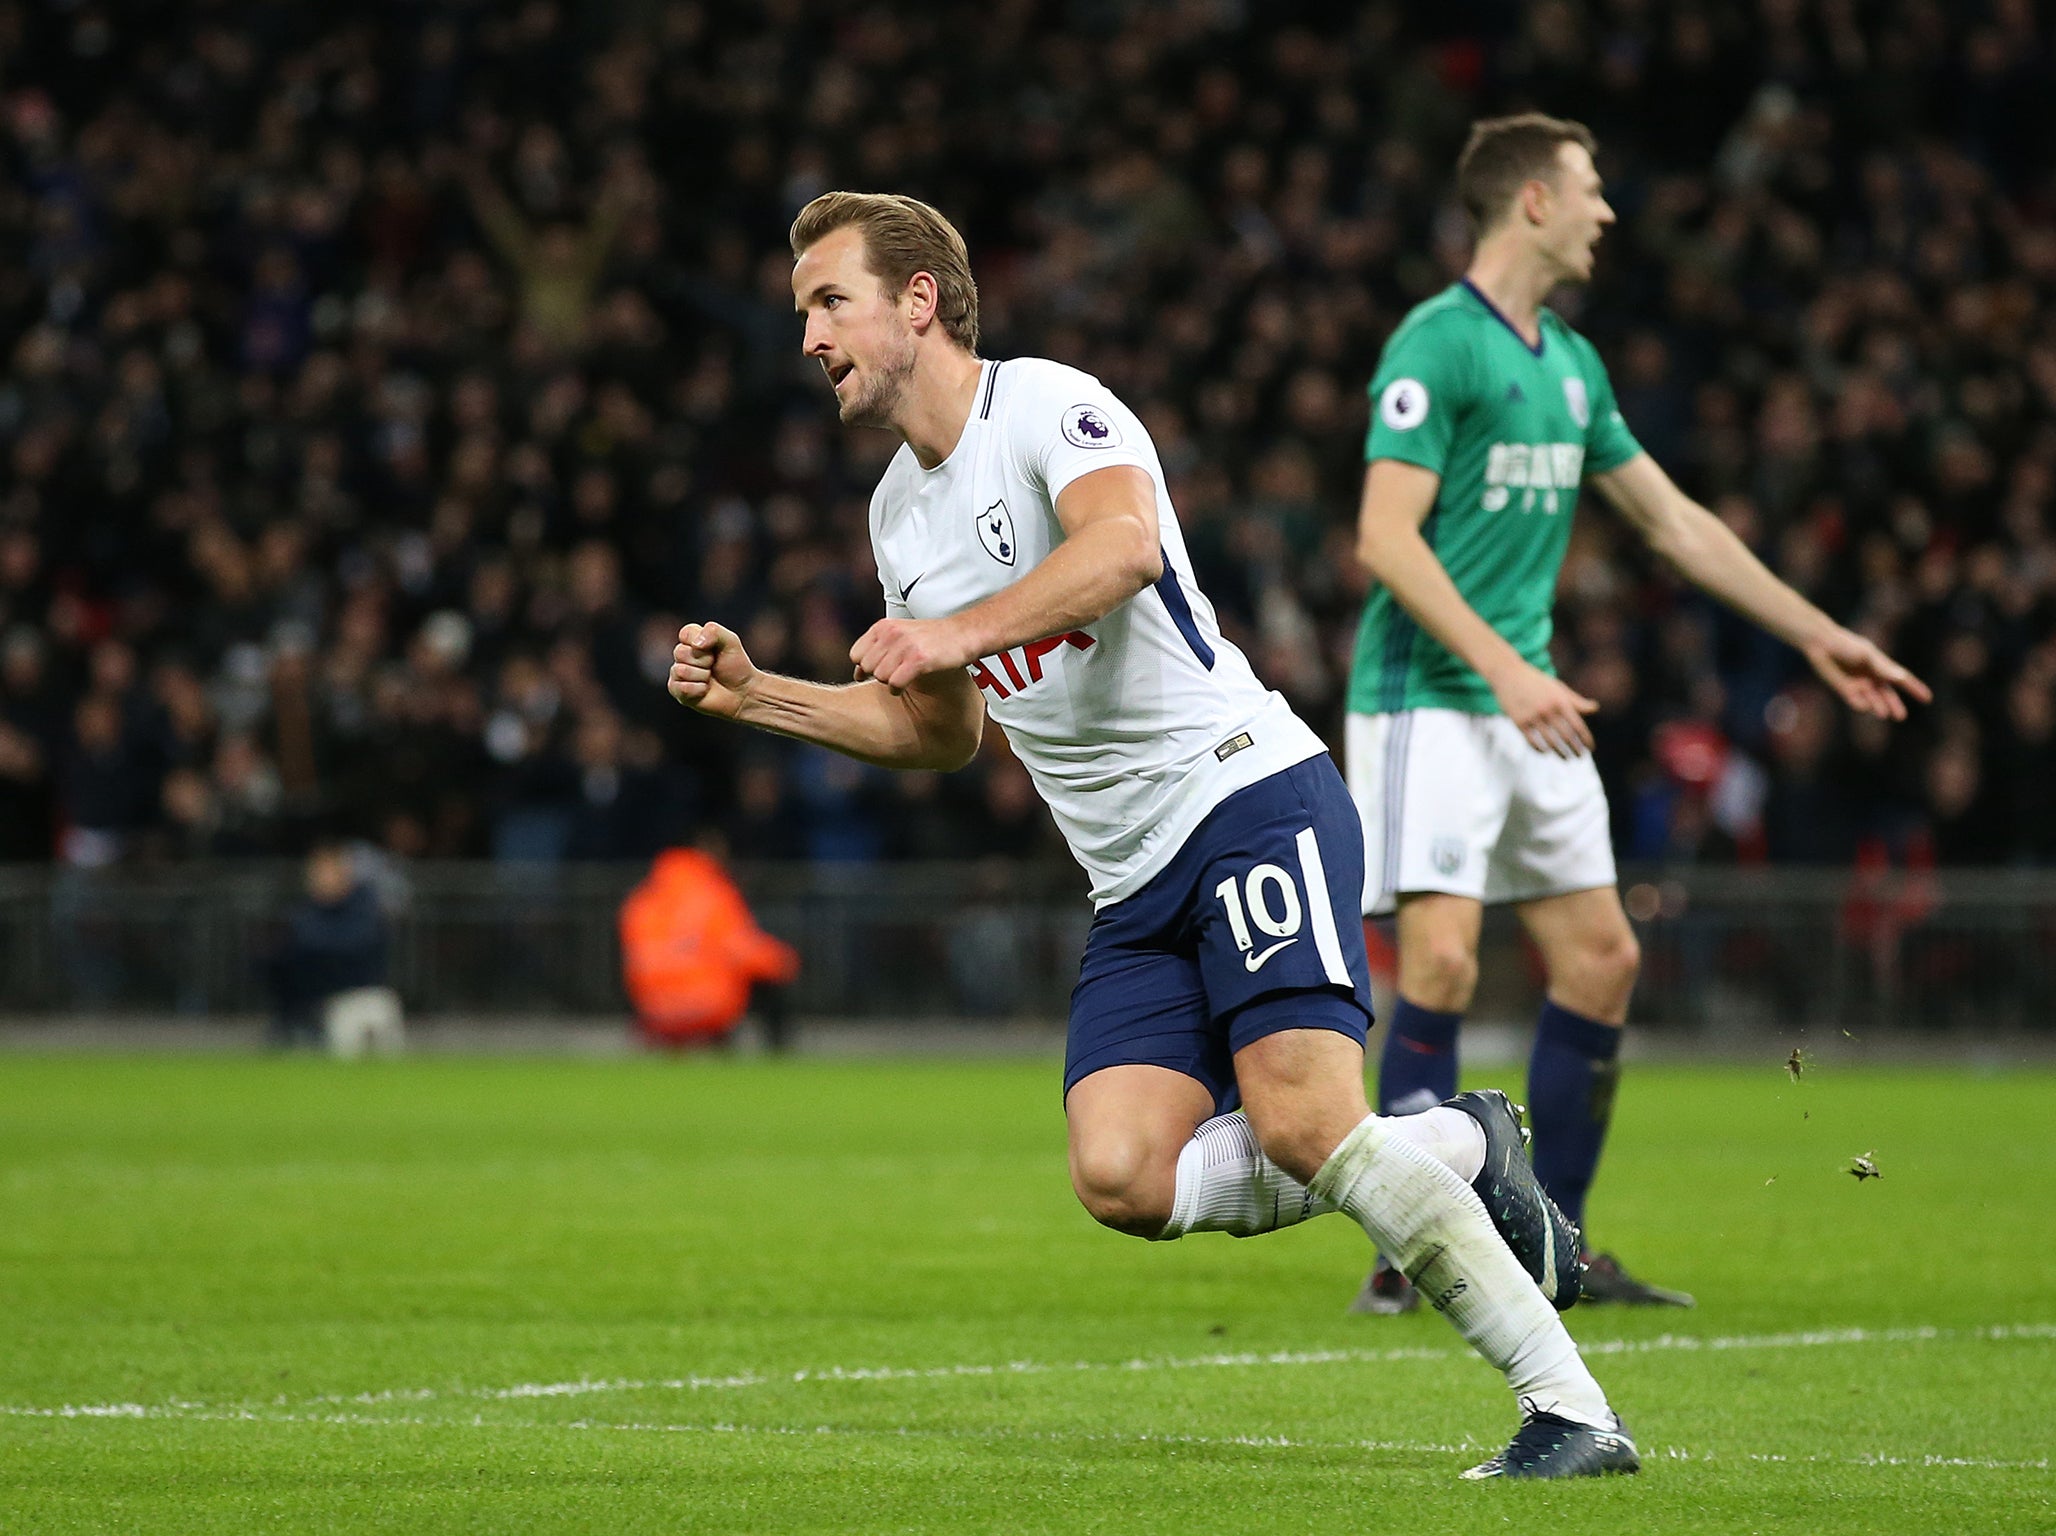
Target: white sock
1226, 1184
1448, 1135
1417, 1210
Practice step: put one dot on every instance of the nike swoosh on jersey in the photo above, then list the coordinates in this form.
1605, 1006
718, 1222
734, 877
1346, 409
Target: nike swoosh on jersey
1254, 963
907, 590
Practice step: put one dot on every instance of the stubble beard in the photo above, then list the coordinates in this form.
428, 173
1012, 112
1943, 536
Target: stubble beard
878, 401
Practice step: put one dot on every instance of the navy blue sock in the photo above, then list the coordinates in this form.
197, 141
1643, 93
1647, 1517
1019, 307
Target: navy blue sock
1417, 1070
1571, 1078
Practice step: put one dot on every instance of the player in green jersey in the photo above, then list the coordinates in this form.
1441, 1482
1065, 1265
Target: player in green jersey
1468, 757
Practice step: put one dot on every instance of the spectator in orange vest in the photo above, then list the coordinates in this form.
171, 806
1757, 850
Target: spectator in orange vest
691, 954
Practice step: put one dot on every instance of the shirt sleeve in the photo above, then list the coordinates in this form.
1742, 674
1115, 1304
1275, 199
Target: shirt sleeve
1608, 442
888, 583
1421, 389
1065, 425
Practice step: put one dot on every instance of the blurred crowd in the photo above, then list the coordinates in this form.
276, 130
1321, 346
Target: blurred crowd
385, 384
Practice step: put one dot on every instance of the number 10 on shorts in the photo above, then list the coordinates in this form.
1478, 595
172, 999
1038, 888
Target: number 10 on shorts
1268, 897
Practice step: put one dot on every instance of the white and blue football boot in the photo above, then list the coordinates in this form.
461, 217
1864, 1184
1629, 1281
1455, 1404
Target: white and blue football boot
1551, 1446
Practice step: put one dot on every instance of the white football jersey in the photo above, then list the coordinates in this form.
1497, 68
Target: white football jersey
1133, 728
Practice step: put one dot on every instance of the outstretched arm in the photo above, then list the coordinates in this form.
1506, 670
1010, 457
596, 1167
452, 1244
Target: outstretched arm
1111, 551
1397, 499
934, 722
1706, 552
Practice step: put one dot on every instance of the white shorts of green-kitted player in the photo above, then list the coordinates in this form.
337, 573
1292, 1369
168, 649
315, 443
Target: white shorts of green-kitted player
1462, 804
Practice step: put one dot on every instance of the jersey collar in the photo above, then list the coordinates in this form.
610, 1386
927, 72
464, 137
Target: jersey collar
1541, 335
981, 410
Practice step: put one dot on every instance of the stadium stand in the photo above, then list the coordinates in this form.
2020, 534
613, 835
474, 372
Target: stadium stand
385, 384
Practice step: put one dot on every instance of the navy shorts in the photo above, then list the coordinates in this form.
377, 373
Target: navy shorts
1252, 928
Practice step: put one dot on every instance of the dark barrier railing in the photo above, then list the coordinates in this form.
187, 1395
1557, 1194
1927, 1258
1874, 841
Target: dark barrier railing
1734, 950
927, 941
1725, 950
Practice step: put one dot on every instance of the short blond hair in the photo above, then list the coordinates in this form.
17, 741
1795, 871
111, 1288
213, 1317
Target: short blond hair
902, 236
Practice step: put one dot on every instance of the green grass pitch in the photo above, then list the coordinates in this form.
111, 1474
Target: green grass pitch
435, 1295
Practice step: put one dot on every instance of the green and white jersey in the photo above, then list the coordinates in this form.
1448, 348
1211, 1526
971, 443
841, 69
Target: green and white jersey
1512, 430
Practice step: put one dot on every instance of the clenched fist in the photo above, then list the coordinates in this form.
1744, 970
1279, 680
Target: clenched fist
710, 671
900, 651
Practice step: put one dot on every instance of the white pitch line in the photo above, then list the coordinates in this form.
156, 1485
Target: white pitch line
993, 1435
1660, 1344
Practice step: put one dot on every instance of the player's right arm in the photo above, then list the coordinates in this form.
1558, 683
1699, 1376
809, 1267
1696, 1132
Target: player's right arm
1398, 496
934, 722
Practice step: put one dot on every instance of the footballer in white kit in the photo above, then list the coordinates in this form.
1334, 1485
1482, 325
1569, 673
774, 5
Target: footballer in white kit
1136, 728
1034, 570
1133, 727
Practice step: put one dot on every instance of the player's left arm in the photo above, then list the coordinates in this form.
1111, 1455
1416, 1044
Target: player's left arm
1708, 554
1111, 550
